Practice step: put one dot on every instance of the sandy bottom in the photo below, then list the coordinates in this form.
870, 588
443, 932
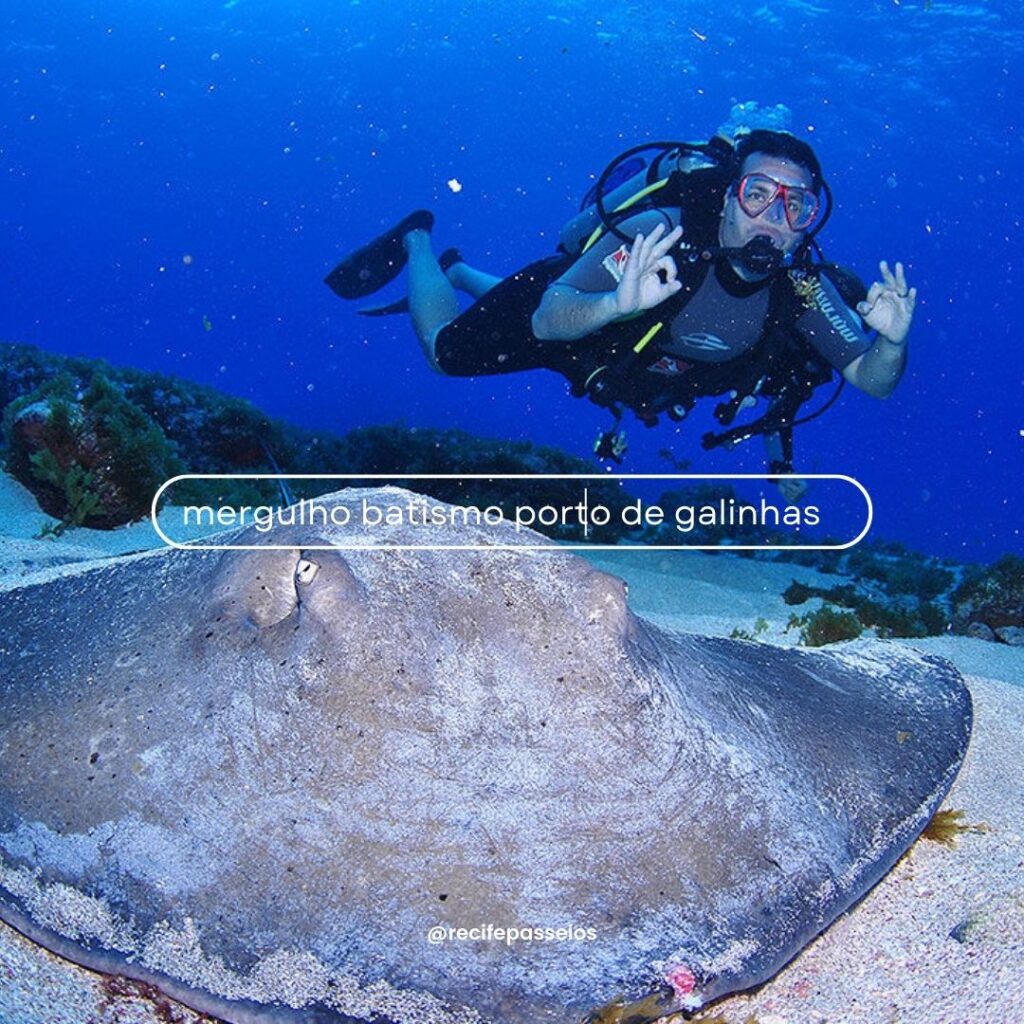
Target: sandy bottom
940, 940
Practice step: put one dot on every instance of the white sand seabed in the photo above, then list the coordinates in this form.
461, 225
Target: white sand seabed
891, 960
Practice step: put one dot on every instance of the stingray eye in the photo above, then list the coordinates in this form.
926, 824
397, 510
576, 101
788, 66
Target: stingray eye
305, 571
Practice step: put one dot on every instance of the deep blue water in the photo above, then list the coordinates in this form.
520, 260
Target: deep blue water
177, 178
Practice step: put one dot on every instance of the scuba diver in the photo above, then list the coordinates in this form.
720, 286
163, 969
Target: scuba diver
695, 277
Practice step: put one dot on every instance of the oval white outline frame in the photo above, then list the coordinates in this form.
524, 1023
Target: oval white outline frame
551, 545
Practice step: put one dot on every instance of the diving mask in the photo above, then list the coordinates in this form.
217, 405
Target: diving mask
757, 193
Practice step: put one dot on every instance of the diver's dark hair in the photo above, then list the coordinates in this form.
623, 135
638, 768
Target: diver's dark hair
780, 144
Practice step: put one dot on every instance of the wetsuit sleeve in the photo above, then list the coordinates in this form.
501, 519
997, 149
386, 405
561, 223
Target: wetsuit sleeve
599, 269
831, 327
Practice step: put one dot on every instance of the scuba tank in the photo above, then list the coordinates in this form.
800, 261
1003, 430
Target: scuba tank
612, 199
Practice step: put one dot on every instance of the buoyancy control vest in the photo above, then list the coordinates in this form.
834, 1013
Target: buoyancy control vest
781, 367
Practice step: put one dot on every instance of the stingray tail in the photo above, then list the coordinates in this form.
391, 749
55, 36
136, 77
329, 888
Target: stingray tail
286, 491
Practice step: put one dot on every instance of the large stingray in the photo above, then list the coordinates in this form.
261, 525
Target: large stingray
257, 779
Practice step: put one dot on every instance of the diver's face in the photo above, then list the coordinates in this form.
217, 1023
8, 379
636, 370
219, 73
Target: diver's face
737, 227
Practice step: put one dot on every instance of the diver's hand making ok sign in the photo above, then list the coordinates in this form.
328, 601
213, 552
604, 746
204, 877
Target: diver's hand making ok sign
889, 306
641, 286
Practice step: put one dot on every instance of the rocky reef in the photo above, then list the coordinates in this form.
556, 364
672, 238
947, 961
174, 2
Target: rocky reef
94, 441
989, 603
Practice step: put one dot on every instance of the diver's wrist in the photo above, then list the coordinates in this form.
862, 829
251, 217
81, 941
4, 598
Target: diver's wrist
611, 308
895, 342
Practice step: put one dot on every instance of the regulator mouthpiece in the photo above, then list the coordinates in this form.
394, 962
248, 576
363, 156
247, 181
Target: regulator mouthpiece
760, 256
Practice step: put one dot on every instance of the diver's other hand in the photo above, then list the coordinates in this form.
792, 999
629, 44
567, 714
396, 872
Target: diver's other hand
642, 286
889, 306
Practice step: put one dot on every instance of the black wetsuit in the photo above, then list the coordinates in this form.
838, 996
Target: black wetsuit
722, 320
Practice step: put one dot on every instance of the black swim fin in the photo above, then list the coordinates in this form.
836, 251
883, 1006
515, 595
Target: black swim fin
375, 264
398, 306
445, 260
448, 258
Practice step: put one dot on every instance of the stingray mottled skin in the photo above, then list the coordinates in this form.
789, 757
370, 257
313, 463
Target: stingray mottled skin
257, 779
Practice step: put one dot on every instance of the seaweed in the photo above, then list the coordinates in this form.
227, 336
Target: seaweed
649, 1011
947, 826
618, 1011
91, 458
138, 455
828, 625
76, 483
907, 617
760, 626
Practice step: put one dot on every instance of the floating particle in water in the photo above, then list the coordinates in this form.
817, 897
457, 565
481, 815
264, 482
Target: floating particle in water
214, 56
222, 369
698, 35
207, 323
892, 181
310, 387
187, 259
454, 184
